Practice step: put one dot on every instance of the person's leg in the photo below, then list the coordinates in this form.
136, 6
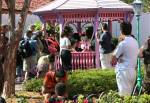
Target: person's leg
33, 61
26, 67
64, 59
126, 81
108, 60
103, 61
68, 59
19, 72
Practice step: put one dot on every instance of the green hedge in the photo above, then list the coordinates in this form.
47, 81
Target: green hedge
33, 85
91, 81
82, 82
113, 97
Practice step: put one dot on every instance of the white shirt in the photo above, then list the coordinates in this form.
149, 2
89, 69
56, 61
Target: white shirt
127, 54
64, 43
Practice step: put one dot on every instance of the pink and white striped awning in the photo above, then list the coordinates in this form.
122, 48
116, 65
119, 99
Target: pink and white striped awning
84, 10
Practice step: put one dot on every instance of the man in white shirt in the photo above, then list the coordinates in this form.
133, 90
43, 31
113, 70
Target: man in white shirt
65, 52
126, 55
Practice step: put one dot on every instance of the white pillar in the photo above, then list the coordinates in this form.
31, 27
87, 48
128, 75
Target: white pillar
96, 24
61, 25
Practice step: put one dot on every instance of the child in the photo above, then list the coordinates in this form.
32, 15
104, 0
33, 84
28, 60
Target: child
50, 80
60, 94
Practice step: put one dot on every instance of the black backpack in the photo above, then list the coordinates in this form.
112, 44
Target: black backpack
25, 48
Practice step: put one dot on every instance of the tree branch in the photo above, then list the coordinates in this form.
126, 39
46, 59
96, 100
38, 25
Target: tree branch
23, 16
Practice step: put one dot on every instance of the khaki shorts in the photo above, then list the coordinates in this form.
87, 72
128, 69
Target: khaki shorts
29, 63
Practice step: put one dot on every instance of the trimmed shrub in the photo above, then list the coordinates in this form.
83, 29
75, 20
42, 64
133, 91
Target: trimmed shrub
82, 82
113, 97
94, 81
33, 85
91, 82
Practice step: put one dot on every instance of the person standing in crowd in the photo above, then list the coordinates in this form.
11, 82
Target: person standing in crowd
28, 48
145, 53
45, 63
126, 55
19, 67
105, 47
84, 43
65, 46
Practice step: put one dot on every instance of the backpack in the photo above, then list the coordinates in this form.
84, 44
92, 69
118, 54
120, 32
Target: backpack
146, 55
53, 45
25, 48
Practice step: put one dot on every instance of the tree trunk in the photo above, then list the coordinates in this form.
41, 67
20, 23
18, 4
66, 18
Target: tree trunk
0, 14
1, 67
10, 58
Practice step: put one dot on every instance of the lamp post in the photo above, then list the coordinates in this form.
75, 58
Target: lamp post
137, 4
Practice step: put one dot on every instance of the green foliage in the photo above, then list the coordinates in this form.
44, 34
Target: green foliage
22, 100
82, 82
113, 97
91, 82
94, 81
146, 4
38, 25
80, 98
33, 85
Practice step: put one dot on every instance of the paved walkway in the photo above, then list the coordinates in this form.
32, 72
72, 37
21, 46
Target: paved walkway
31, 98
18, 87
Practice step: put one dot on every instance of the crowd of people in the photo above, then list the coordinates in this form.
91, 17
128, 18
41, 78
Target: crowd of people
36, 56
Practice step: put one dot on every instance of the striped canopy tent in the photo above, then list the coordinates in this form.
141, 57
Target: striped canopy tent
95, 11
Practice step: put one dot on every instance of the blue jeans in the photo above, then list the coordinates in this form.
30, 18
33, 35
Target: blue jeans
19, 70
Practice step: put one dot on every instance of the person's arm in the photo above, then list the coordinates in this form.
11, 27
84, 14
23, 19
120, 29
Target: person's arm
117, 53
141, 52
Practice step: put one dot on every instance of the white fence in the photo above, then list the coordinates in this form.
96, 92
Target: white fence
144, 24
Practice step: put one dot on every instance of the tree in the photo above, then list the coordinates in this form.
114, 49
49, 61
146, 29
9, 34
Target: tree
146, 4
9, 53
0, 13
1, 69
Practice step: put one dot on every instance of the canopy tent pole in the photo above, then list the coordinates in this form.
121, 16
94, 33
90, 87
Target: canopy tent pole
96, 24
61, 26
79, 29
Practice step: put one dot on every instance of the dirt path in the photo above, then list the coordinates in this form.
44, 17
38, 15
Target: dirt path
24, 96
